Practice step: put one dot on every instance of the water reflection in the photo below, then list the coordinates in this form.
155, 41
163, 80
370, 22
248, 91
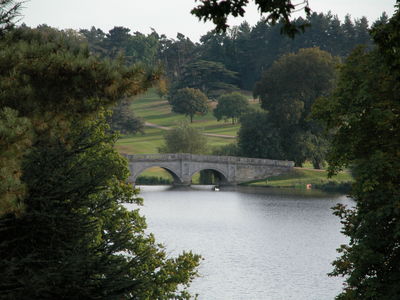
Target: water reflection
257, 243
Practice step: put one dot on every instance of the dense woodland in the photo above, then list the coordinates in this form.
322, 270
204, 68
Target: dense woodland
241, 59
59, 170
240, 55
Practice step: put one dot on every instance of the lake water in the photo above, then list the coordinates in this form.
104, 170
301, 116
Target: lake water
256, 243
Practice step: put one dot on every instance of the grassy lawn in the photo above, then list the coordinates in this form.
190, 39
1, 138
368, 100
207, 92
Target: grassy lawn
299, 178
157, 111
152, 139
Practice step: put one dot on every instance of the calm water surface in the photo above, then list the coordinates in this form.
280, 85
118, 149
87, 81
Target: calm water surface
256, 243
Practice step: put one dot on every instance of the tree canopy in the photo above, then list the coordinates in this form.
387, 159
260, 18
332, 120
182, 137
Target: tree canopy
287, 91
232, 106
9, 11
258, 137
189, 101
211, 77
124, 120
364, 114
64, 231
278, 10
184, 139
245, 50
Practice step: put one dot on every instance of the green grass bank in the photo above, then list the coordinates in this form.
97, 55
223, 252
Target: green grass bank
300, 178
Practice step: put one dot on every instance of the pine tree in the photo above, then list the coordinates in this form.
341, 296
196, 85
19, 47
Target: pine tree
72, 237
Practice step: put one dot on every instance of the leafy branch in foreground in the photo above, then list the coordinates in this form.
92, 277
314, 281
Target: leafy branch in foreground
277, 10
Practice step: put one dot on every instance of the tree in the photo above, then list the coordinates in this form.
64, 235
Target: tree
232, 106
82, 186
287, 91
69, 236
9, 11
15, 138
162, 88
364, 114
175, 54
95, 38
189, 101
250, 51
116, 41
231, 149
218, 12
259, 137
184, 139
212, 78
124, 120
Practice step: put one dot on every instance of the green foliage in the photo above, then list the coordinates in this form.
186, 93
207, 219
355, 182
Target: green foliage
175, 54
232, 106
124, 120
184, 139
152, 180
207, 177
9, 11
249, 51
119, 42
69, 235
280, 10
50, 73
162, 88
212, 78
231, 149
245, 50
258, 137
76, 239
189, 101
15, 139
289, 88
287, 91
364, 113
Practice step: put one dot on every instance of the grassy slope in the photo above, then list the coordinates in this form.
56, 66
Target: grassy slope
299, 178
157, 111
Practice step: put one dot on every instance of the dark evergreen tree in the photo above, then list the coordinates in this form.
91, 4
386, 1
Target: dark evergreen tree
95, 38
212, 78
175, 54
124, 120
69, 235
259, 137
364, 114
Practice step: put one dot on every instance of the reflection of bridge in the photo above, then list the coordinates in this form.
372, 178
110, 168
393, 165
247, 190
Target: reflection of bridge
230, 170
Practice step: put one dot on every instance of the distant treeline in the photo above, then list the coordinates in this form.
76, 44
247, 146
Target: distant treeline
244, 50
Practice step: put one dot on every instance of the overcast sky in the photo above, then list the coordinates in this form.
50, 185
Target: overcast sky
167, 16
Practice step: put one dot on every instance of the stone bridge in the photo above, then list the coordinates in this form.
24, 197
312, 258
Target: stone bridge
229, 169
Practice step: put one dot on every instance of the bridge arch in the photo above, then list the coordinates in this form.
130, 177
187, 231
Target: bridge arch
173, 173
219, 173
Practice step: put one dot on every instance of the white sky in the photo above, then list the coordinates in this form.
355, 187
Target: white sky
167, 16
